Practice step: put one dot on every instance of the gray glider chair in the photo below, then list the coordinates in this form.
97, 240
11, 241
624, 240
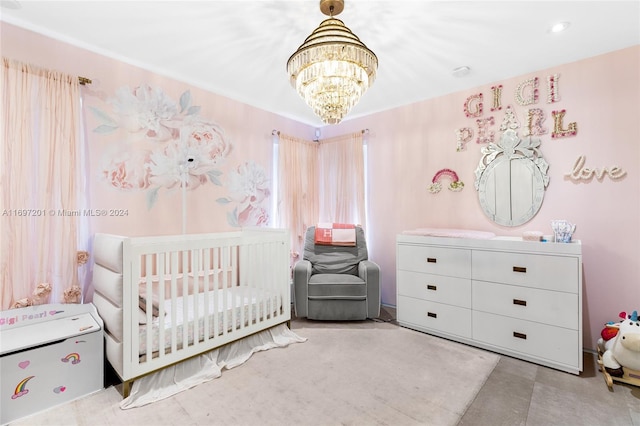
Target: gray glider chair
336, 283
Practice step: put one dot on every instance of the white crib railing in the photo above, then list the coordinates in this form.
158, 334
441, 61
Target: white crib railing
199, 293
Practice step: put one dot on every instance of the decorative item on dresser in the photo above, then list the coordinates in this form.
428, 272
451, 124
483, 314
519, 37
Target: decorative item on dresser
519, 298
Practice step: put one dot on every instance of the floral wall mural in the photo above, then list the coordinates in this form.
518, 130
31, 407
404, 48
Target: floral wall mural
162, 146
248, 186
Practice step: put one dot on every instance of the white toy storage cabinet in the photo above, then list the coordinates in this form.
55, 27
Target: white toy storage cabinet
49, 355
519, 298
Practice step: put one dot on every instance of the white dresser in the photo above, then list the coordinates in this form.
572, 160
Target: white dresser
515, 297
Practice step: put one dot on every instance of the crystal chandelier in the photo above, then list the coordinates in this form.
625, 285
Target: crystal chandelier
332, 69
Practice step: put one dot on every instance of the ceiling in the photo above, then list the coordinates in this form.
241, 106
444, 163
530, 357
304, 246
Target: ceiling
239, 48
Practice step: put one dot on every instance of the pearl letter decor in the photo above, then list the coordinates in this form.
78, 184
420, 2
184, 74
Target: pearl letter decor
552, 88
532, 93
497, 97
558, 131
473, 106
463, 136
484, 134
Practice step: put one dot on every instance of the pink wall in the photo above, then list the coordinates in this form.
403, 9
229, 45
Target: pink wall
248, 129
407, 146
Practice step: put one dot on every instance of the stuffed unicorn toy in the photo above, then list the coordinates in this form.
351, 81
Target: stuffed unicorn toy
624, 349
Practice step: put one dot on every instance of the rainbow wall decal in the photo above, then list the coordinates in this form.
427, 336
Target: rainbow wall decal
74, 357
456, 184
21, 388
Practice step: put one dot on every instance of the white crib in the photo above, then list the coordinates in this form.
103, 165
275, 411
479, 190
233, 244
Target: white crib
168, 298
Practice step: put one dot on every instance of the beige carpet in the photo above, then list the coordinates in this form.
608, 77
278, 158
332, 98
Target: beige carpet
354, 373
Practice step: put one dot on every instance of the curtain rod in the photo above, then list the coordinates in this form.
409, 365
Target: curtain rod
273, 132
84, 80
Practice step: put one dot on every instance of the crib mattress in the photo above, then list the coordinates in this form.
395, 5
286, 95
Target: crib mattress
227, 309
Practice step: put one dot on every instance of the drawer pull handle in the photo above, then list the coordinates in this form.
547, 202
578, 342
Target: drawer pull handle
432, 315
519, 335
431, 287
519, 269
431, 260
519, 302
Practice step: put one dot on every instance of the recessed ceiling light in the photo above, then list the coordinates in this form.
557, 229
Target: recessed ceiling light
461, 71
559, 27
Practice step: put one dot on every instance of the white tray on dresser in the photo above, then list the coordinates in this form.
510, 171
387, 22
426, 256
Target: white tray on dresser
519, 298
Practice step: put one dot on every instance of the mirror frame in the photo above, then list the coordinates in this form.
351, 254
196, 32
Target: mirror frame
512, 148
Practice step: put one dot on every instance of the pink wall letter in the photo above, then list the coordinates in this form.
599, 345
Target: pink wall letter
558, 131
535, 117
531, 87
473, 106
497, 97
484, 134
552, 88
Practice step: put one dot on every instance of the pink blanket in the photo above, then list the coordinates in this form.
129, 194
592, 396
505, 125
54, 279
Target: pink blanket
336, 234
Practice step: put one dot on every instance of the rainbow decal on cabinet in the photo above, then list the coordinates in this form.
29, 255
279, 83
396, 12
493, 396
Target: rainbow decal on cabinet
74, 357
456, 184
21, 389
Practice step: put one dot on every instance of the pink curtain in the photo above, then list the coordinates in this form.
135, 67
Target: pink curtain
320, 182
38, 161
341, 180
297, 188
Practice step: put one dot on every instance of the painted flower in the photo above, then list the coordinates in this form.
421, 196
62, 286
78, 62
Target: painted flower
248, 185
169, 144
126, 170
253, 216
146, 109
184, 163
210, 137
82, 257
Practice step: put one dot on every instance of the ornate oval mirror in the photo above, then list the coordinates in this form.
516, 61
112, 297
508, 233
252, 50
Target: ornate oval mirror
511, 178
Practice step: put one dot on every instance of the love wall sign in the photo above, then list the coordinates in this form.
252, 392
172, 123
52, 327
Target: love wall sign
582, 173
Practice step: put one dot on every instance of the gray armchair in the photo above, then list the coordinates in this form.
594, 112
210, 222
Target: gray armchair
336, 283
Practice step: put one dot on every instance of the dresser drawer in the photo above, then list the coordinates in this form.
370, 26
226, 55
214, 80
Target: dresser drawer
436, 288
556, 344
544, 306
436, 316
435, 260
531, 270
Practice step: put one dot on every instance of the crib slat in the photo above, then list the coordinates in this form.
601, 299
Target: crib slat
216, 294
206, 263
149, 307
194, 296
242, 296
162, 273
232, 296
174, 298
185, 299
